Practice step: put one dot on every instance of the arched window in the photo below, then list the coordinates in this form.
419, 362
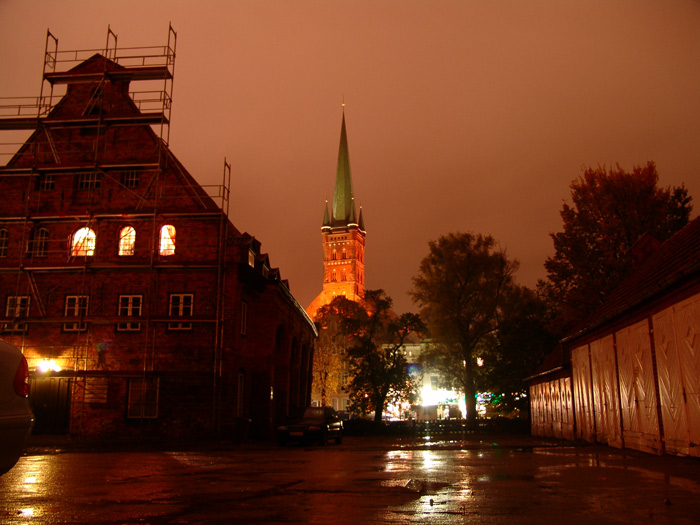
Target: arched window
127, 240
4, 242
167, 240
40, 243
345, 253
83, 243
334, 276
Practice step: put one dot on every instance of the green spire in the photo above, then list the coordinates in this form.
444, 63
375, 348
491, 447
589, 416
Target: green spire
343, 204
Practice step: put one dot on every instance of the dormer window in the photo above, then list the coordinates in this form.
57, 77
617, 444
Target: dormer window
251, 258
265, 271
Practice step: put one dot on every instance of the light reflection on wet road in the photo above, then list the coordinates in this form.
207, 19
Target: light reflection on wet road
370, 480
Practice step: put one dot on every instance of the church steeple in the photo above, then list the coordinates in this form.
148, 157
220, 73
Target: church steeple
343, 237
343, 198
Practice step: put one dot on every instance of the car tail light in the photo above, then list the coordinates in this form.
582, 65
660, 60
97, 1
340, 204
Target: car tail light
22, 378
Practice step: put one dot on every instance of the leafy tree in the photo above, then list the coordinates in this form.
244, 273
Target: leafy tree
377, 358
461, 287
332, 342
516, 349
611, 211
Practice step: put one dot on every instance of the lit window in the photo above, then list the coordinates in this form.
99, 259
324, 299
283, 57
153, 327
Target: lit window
167, 240
129, 306
143, 398
181, 305
17, 307
4, 242
127, 240
76, 306
83, 243
251, 258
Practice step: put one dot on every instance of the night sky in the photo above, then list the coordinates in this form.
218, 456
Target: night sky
461, 115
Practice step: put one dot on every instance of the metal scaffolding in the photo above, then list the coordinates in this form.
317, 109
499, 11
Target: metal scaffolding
62, 146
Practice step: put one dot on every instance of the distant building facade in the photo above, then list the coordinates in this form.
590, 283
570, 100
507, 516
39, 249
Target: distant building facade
140, 307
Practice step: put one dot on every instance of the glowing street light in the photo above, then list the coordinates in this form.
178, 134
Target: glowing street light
48, 365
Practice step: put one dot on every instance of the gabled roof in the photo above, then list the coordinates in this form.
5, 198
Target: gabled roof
100, 84
672, 263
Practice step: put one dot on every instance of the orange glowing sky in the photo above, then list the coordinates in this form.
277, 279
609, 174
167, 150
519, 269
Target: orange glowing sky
461, 115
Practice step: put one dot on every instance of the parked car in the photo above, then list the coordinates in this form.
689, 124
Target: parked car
316, 424
16, 418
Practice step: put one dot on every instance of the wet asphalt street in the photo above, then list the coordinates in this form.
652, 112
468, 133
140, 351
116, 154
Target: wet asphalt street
496, 479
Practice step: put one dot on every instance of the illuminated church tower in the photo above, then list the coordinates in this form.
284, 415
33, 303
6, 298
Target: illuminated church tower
343, 237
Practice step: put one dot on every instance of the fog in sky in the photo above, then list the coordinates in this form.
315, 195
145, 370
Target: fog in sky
461, 115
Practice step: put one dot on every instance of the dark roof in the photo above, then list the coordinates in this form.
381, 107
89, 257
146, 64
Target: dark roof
669, 265
555, 361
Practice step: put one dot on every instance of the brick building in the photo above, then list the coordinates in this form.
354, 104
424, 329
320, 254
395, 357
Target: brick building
138, 304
